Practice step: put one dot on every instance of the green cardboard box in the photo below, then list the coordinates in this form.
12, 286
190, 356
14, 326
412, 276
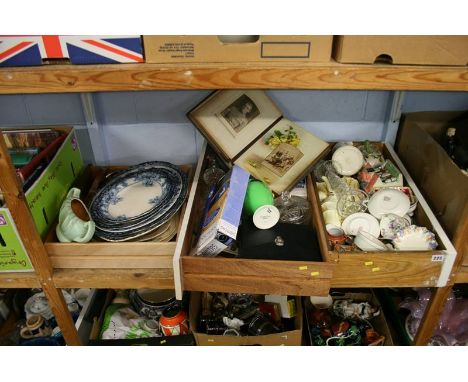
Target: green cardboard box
44, 198
13, 256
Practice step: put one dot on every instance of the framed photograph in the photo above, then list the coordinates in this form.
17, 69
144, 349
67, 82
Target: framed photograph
239, 114
283, 155
231, 120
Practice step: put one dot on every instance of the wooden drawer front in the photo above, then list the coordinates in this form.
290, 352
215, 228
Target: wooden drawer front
393, 268
385, 270
106, 255
218, 274
257, 276
111, 255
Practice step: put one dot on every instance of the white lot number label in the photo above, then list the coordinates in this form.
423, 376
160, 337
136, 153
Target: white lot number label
438, 258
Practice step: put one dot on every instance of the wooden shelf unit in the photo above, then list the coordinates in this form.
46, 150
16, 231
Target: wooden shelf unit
141, 77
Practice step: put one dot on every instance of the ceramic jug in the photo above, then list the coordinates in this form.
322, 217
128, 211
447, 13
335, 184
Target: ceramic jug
75, 223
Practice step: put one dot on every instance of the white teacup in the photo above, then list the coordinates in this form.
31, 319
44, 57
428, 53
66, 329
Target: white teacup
332, 217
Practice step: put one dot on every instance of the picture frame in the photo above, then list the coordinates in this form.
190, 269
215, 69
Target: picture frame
231, 120
246, 128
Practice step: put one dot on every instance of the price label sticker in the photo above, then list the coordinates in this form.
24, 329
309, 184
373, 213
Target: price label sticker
438, 258
303, 268
313, 274
210, 340
368, 263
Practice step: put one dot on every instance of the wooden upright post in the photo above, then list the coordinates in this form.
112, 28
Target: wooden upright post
16, 202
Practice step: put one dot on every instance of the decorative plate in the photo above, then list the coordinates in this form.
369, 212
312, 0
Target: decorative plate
347, 160
414, 238
133, 195
361, 221
388, 201
391, 224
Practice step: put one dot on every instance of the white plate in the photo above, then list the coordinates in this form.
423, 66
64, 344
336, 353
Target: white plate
388, 201
347, 160
361, 221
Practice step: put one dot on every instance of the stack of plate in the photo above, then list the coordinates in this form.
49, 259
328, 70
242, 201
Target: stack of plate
140, 203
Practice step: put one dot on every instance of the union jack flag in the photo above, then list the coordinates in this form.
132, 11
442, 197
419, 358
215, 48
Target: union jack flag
31, 50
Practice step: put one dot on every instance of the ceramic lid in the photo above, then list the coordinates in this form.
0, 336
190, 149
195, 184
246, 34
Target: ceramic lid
361, 221
266, 216
389, 201
347, 160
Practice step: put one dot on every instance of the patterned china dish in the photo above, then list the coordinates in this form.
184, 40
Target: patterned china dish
415, 238
137, 193
136, 202
391, 224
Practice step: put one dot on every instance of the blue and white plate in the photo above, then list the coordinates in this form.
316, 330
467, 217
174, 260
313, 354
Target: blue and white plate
138, 200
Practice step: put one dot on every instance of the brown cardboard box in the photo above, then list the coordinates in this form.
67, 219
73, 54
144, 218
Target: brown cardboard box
413, 50
379, 323
290, 338
97, 320
210, 49
440, 180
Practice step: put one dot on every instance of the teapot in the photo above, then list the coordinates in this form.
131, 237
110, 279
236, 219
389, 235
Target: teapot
75, 223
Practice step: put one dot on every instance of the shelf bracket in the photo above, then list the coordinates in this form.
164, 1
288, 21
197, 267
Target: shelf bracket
94, 130
393, 117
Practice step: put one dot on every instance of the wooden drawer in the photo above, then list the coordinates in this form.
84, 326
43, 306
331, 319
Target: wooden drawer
221, 274
392, 268
107, 255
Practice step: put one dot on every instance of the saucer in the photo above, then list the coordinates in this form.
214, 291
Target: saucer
367, 242
389, 201
361, 221
414, 238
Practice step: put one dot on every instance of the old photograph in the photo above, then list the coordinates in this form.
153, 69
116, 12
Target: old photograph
239, 114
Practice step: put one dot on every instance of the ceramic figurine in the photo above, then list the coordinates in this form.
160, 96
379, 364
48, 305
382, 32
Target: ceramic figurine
75, 222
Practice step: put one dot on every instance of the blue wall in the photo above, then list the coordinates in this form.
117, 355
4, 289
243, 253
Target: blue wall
139, 126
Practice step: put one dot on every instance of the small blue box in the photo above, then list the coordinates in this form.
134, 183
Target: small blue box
221, 222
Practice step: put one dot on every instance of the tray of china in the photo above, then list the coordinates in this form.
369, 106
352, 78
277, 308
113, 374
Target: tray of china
382, 263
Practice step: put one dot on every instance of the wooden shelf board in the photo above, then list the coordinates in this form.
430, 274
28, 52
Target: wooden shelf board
19, 280
114, 278
122, 77
462, 275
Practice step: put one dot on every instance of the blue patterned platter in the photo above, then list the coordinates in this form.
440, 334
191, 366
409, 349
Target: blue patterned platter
138, 197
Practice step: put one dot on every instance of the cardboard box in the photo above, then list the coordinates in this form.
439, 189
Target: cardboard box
44, 199
379, 323
13, 255
37, 50
217, 49
441, 181
100, 305
412, 50
222, 219
289, 338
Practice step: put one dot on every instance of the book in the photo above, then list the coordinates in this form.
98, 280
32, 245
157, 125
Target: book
246, 128
21, 139
46, 154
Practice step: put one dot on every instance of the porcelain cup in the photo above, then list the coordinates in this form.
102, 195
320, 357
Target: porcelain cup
75, 222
